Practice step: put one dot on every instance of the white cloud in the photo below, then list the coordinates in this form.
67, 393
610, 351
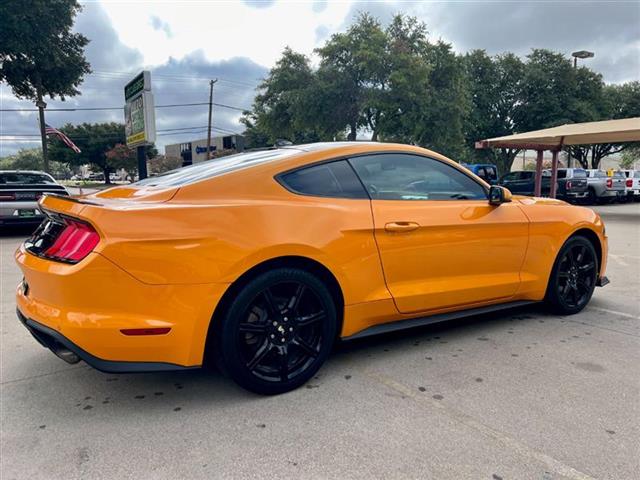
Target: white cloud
223, 29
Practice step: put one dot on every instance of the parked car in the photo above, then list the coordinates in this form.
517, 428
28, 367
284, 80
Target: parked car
96, 177
20, 191
571, 184
602, 188
522, 182
303, 245
632, 184
486, 171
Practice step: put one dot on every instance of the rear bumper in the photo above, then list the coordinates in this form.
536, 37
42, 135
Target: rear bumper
70, 352
85, 307
612, 193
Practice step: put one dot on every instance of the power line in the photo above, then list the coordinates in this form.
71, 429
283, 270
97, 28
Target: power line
167, 75
221, 105
162, 131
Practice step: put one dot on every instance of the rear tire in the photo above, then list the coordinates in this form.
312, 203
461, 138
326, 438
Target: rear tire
277, 332
592, 198
573, 278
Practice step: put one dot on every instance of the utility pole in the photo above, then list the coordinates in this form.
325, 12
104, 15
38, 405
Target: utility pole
41, 106
211, 84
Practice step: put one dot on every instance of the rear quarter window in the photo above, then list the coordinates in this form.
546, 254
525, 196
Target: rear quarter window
332, 179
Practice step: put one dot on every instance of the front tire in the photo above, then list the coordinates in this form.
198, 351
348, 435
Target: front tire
278, 331
573, 278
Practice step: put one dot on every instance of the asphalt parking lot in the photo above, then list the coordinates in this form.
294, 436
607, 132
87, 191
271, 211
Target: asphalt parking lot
515, 395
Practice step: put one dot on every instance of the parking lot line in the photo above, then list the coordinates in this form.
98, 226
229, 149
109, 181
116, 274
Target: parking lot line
614, 312
554, 464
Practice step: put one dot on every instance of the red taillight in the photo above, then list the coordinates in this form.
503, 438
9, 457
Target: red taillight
569, 185
7, 197
629, 183
74, 242
609, 183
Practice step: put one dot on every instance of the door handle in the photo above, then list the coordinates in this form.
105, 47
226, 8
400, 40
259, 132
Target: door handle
401, 226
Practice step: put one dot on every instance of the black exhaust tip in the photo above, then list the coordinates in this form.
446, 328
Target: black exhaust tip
66, 355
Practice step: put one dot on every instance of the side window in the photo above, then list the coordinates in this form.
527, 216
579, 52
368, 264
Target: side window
395, 176
491, 173
333, 179
511, 177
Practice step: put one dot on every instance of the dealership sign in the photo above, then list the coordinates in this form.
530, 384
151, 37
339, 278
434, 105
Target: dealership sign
139, 113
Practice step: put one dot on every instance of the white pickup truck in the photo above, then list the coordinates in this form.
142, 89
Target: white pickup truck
632, 184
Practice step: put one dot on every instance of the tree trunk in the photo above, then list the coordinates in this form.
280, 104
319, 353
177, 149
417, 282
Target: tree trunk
374, 136
106, 172
353, 133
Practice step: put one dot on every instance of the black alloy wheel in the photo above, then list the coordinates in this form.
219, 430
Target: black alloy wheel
574, 276
278, 331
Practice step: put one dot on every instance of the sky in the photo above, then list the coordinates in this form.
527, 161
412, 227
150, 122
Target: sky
186, 43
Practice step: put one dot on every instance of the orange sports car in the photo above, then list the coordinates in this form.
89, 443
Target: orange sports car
258, 262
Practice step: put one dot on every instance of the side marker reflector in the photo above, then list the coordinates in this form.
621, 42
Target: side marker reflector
146, 331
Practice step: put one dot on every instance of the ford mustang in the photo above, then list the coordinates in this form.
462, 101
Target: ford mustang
260, 261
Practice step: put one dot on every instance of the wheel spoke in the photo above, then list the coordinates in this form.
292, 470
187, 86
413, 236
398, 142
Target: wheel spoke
584, 284
570, 257
262, 352
580, 256
284, 363
294, 302
305, 347
586, 267
271, 303
311, 319
251, 327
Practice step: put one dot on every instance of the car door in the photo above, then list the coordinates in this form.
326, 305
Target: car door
441, 244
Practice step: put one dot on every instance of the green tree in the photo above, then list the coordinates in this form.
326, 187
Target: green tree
495, 85
39, 55
31, 159
441, 122
630, 157
615, 102
102, 146
548, 91
278, 109
354, 70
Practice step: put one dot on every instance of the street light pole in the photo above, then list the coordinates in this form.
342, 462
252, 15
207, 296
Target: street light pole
43, 135
576, 55
581, 54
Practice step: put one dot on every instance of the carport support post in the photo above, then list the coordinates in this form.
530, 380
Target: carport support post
554, 174
538, 184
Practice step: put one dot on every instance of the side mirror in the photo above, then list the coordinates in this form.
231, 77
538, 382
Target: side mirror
499, 195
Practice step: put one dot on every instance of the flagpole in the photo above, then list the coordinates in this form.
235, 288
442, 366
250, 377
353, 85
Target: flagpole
45, 154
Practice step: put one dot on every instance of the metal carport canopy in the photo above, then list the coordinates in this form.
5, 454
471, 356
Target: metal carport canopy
608, 131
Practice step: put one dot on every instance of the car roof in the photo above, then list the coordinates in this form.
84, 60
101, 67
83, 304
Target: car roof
25, 171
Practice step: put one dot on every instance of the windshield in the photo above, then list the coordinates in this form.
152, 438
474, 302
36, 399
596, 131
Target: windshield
579, 173
25, 178
215, 167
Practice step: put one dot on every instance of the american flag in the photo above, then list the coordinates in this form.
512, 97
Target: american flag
49, 130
